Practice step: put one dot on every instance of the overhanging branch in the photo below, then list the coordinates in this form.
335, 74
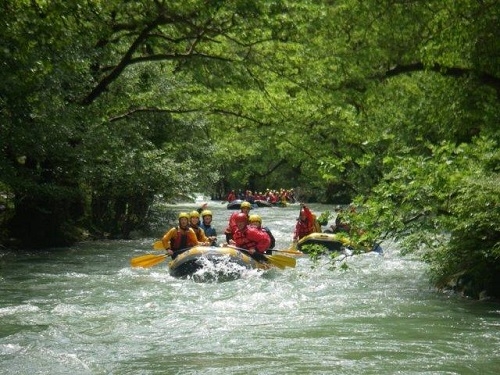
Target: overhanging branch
149, 110
485, 78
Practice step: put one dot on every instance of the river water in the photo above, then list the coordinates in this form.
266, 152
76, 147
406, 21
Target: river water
84, 310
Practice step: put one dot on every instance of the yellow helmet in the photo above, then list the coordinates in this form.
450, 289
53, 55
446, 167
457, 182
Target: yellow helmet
206, 213
253, 218
184, 215
246, 205
194, 214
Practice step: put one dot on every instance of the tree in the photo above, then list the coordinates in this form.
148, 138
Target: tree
106, 105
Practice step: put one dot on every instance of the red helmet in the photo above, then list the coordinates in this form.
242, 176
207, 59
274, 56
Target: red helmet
241, 218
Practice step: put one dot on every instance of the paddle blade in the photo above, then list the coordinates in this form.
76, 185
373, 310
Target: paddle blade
289, 251
148, 260
158, 245
275, 262
281, 261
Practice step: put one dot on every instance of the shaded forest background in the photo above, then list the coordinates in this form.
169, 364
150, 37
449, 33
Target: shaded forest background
107, 105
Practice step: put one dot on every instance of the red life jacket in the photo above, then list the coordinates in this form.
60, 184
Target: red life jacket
303, 228
251, 237
243, 241
180, 240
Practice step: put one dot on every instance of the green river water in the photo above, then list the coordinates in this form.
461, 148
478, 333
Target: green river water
84, 310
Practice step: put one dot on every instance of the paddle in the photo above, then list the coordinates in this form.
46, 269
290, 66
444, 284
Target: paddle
280, 261
148, 260
158, 245
289, 251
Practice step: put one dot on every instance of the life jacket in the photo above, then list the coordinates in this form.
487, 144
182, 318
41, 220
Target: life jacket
199, 232
302, 229
180, 240
242, 241
252, 237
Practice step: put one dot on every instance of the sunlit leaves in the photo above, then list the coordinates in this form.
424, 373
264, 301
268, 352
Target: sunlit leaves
379, 99
445, 205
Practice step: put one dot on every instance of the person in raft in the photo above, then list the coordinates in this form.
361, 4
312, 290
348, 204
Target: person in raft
180, 238
305, 223
206, 225
194, 223
256, 221
231, 228
248, 237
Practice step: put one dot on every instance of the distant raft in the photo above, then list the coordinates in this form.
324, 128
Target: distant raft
234, 205
262, 203
226, 262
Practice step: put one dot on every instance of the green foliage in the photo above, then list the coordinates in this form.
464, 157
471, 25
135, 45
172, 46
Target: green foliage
446, 207
320, 255
324, 217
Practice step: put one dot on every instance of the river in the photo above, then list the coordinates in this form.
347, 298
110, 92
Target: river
84, 310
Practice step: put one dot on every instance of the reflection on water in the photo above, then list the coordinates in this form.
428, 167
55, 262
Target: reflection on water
83, 310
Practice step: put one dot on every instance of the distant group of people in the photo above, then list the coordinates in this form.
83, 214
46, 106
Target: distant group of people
244, 231
271, 196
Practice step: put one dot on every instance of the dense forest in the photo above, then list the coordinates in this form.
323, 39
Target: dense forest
392, 104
